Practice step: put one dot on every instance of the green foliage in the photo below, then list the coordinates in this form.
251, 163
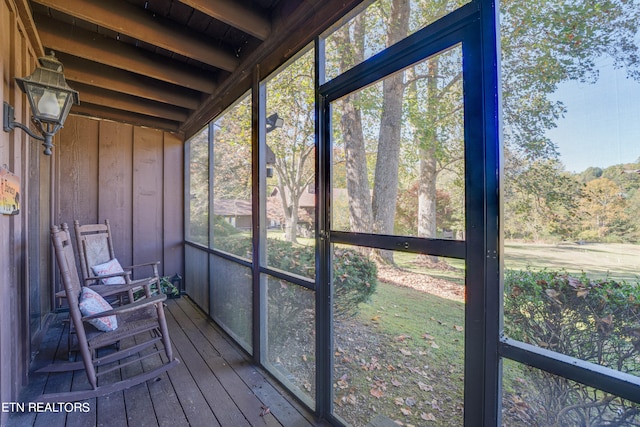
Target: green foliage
596, 321
169, 288
222, 228
354, 281
354, 274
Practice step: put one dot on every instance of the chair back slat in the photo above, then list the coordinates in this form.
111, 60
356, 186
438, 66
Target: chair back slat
95, 245
66, 259
66, 262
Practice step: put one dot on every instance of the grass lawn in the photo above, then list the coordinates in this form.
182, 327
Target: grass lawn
410, 366
411, 370
599, 260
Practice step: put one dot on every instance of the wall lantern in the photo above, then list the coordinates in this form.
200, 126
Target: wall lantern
50, 98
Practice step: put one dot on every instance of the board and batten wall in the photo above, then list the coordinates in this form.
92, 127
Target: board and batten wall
21, 261
99, 170
130, 175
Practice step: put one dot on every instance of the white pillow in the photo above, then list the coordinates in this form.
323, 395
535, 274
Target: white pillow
91, 303
109, 267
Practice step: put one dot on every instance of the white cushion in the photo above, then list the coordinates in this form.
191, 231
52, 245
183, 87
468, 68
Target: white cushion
91, 303
109, 267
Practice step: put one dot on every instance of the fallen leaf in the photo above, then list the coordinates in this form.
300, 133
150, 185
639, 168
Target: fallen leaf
434, 345
582, 293
573, 282
398, 401
410, 401
395, 382
424, 387
428, 417
376, 392
552, 293
405, 411
265, 410
428, 337
458, 328
376, 318
304, 357
405, 352
351, 399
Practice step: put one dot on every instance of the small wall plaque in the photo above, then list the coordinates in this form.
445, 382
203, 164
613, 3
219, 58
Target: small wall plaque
9, 192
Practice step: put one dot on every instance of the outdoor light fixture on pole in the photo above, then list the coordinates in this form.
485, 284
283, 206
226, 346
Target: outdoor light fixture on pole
272, 123
50, 98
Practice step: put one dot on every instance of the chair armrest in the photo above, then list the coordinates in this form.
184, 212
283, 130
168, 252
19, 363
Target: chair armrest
106, 276
137, 305
110, 290
153, 263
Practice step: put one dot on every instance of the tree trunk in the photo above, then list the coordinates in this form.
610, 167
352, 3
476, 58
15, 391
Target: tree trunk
360, 215
385, 189
428, 167
357, 177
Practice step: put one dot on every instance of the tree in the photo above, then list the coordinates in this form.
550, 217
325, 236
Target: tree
543, 44
291, 94
199, 187
349, 41
385, 188
603, 209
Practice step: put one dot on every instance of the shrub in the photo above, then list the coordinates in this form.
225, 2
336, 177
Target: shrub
596, 321
354, 274
354, 281
222, 228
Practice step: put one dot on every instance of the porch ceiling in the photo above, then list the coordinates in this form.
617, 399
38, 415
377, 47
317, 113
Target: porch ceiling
167, 63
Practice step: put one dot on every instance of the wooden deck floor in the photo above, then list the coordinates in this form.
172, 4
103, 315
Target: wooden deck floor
214, 385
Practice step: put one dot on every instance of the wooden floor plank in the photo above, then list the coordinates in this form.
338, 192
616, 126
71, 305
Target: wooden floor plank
286, 410
242, 395
194, 405
111, 409
37, 382
137, 399
215, 384
56, 383
166, 405
225, 410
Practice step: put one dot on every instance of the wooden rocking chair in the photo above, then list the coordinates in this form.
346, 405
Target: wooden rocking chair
144, 319
95, 247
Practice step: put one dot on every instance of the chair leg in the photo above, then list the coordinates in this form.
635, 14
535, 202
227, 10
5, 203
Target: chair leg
164, 331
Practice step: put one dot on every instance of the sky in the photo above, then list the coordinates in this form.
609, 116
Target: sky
602, 124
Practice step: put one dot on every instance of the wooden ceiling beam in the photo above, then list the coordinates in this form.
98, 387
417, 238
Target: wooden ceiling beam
234, 14
291, 32
125, 18
119, 101
100, 112
105, 77
90, 46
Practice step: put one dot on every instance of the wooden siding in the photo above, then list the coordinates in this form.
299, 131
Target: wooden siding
131, 176
100, 169
17, 277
